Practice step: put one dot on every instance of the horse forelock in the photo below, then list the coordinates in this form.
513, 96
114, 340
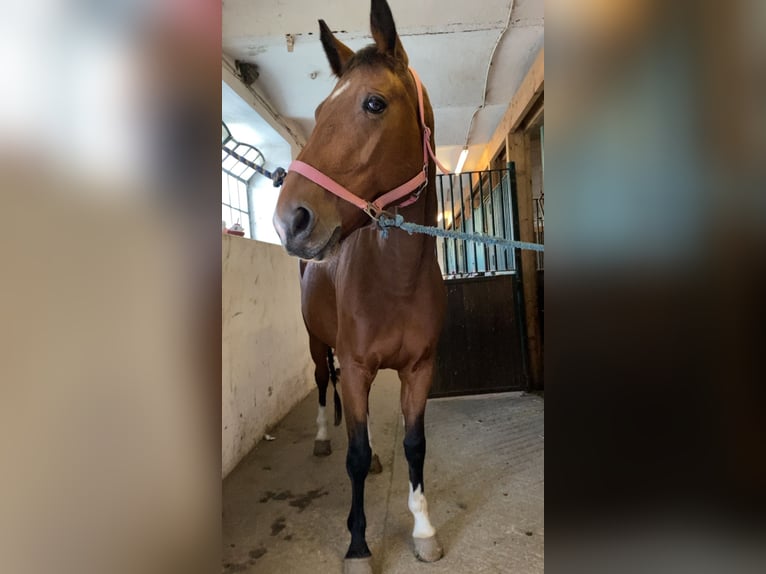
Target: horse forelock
369, 56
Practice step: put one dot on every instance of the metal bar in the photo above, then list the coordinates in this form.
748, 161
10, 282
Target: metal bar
494, 214
452, 216
473, 223
541, 233
232, 207
483, 222
461, 244
227, 172
250, 209
228, 189
247, 162
463, 260
277, 176
502, 219
538, 232
520, 306
444, 225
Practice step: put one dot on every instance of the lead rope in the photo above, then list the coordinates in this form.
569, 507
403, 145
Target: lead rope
387, 221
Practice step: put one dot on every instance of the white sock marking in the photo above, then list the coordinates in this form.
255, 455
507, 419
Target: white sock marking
321, 424
419, 508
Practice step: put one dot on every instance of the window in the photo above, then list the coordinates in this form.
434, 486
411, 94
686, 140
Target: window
236, 203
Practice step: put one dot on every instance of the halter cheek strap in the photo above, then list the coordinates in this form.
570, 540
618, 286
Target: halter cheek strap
416, 184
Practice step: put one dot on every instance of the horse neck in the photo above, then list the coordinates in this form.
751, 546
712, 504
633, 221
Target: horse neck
399, 259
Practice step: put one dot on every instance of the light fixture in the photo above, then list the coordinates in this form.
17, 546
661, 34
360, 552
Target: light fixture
461, 159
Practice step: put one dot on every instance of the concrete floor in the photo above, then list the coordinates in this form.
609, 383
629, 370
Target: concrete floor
284, 510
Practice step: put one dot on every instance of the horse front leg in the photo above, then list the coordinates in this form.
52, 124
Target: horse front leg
319, 355
355, 387
416, 382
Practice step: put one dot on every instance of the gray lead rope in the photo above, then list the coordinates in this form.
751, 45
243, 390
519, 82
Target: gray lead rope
385, 223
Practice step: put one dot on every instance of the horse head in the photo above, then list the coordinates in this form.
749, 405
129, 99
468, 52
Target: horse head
367, 138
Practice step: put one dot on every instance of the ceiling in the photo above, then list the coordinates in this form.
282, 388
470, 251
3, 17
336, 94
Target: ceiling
449, 42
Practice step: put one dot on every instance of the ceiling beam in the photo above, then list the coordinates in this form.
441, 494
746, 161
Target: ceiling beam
256, 100
525, 98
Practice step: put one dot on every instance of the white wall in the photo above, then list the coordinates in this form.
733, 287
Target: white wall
267, 368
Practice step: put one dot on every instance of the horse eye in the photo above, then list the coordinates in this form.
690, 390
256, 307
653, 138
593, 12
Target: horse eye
375, 104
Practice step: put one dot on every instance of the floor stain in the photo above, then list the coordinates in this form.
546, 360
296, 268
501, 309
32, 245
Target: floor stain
270, 495
278, 526
299, 501
254, 554
303, 501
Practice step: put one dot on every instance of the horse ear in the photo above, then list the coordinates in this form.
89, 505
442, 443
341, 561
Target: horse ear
337, 52
384, 30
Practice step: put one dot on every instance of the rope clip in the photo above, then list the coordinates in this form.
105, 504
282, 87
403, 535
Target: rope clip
376, 212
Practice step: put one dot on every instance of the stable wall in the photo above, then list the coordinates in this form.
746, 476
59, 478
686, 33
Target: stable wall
266, 366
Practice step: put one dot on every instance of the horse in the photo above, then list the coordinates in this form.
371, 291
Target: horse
377, 298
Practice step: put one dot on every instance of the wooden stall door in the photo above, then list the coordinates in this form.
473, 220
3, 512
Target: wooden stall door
480, 350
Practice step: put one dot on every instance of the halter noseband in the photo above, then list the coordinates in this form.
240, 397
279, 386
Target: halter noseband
376, 207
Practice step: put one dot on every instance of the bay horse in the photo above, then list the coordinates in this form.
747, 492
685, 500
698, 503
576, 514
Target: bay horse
378, 300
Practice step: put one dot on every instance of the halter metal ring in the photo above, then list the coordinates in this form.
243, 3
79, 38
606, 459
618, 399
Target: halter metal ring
375, 212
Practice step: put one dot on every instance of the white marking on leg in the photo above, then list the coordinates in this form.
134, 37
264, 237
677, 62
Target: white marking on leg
339, 89
419, 508
321, 424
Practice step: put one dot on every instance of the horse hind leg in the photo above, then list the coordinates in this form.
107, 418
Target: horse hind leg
375, 466
334, 377
319, 350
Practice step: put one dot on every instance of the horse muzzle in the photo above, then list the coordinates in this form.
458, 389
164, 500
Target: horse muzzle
303, 234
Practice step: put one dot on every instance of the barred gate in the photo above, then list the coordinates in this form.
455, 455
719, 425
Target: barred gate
483, 345
476, 201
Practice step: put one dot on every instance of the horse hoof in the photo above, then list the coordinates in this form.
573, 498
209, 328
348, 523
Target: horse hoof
322, 448
357, 565
428, 549
375, 466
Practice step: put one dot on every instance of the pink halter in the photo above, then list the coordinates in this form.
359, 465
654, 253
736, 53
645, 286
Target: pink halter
373, 208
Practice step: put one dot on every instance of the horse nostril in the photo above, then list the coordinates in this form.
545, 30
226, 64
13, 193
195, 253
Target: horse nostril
302, 221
